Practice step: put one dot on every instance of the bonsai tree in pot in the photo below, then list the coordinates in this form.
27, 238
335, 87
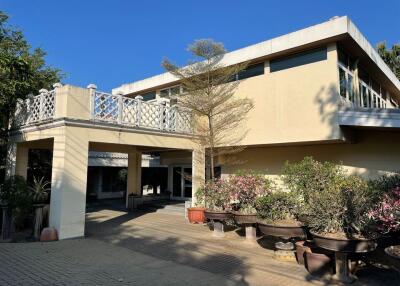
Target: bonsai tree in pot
245, 189
385, 218
338, 218
277, 214
40, 195
214, 195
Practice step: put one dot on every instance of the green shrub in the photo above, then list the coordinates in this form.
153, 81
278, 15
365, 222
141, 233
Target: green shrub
310, 176
14, 192
341, 207
278, 207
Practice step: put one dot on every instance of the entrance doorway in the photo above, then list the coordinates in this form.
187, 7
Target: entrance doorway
181, 183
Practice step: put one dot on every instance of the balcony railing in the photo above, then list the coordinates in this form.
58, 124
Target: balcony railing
135, 112
103, 107
36, 109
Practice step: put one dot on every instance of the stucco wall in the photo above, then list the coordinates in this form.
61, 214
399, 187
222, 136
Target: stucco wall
298, 104
372, 154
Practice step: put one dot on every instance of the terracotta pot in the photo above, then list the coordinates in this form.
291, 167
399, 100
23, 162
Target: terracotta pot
244, 218
318, 264
48, 234
217, 215
285, 231
301, 248
196, 215
344, 245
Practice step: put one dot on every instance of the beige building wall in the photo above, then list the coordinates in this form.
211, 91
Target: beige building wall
374, 153
294, 105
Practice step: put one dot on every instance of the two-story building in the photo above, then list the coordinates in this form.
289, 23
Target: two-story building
321, 91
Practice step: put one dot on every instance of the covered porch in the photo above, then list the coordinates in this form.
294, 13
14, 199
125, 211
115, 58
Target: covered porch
67, 126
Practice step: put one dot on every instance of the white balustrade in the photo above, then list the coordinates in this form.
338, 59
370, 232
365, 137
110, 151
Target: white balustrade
35, 108
138, 113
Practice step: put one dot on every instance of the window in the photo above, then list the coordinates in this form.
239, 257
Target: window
171, 91
252, 70
149, 96
299, 59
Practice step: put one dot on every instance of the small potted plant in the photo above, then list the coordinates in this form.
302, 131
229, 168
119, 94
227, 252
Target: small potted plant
40, 196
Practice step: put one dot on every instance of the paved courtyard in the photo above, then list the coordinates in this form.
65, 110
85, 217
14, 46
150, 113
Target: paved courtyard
142, 248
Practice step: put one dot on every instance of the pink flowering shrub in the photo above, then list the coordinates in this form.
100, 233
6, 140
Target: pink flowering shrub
245, 189
214, 195
386, 214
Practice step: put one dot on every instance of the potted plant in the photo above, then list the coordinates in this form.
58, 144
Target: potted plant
385, 217
337, 216
277, 215
214, 195
245, 189
40, 196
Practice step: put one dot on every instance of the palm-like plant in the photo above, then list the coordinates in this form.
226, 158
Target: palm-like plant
40, 190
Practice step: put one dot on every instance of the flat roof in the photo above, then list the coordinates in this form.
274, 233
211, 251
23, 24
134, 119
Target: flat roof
334, 28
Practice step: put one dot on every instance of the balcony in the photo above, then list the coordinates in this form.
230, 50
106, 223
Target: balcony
73, 103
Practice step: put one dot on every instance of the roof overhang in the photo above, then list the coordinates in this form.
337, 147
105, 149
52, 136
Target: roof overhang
336, 29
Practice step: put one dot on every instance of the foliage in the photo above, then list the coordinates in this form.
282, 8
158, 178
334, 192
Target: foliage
214, 195
391, 57
245, 189
209, 93
40, 190
385, 216
14, 192
341, 207
383, 185
310, 176
279, 206
22, 71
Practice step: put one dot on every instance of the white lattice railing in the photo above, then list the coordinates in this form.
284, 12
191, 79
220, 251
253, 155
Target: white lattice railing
35, 108
138, 113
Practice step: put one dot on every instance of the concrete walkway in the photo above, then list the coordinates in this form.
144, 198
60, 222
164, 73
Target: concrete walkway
154, 249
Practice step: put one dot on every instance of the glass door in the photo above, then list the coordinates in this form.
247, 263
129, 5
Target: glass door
181, 182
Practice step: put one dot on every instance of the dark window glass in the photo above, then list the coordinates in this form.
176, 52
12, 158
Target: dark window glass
175, 90
363, 75
299, 59
176, 182
342, 57
164, 92
343, 82
149, 96
252, 70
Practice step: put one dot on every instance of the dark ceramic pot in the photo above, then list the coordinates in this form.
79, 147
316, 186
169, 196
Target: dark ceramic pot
389, 251
344, 245
318, 264
244, 218
284, 231
217, 215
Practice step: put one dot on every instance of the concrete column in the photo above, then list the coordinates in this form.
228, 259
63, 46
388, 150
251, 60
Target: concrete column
68, 184
134, 174
198, 171
17, 160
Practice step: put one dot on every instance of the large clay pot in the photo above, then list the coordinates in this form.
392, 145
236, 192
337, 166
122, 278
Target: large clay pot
244, 218
344, 245
196, 215
217, 215
49, 234
284, 231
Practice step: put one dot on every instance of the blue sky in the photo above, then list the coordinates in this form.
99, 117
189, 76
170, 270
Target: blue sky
114, 42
